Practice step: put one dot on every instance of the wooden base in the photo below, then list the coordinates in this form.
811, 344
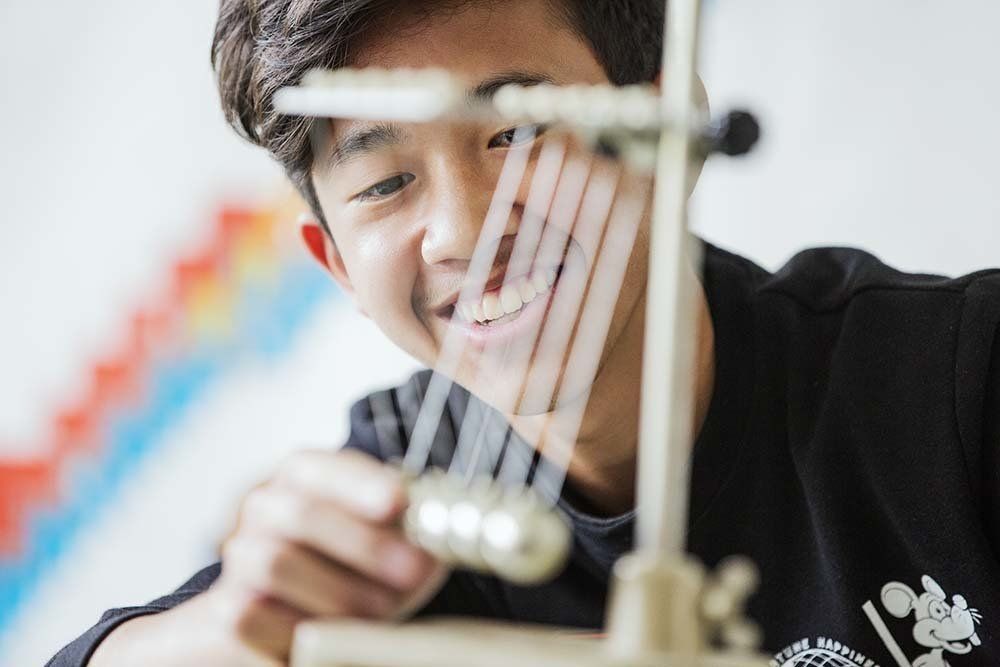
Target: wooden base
465, 642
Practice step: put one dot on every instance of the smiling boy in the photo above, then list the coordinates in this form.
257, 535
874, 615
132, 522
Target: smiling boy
849, 414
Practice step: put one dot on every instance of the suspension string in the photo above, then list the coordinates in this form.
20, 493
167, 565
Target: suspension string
473, 439
517, 360
564, 315
593, 193
387, 426
474, 430
550, 244
453, 347
551, 348
553, 245
584, 359
555, 339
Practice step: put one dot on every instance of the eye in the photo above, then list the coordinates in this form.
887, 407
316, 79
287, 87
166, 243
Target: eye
386, 188
516, 136
938, 610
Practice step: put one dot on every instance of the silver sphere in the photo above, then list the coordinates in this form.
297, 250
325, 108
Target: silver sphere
480, 526
427, 520
523, 540
466, 522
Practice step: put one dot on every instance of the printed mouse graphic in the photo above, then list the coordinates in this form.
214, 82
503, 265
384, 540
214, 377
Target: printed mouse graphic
939, 626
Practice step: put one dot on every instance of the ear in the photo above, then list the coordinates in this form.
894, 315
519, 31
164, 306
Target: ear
321, 247
898, 599
700, 94
700, 99
314, 236
932, 587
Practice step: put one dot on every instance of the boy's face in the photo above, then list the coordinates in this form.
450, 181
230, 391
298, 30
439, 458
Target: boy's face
406, 205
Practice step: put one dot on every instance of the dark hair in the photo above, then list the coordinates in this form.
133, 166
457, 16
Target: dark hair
261, 46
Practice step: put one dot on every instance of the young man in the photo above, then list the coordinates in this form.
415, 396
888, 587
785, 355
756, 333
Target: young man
849, 414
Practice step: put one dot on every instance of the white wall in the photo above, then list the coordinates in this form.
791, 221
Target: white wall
113, 154
114, 157
879, 132
880, 129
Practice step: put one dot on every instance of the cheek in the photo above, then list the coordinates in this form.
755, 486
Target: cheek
923, 632
633, 285
386, 272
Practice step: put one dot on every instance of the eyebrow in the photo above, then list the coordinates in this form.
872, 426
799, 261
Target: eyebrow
365, 140
487, 88
371, 138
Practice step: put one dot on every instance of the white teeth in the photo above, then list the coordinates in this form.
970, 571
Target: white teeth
491, 307
509, 299
528, 291
538, 282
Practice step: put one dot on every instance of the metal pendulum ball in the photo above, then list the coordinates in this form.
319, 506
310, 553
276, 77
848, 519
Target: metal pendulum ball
511, 533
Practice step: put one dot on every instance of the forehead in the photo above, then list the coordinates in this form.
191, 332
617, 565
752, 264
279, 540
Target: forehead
479, 39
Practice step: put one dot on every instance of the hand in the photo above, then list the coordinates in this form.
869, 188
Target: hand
322, 538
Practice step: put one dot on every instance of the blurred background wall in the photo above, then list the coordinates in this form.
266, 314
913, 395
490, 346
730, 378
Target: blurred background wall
127, 206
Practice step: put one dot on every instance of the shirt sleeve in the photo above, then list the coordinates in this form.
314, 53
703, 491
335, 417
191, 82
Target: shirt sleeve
79, 651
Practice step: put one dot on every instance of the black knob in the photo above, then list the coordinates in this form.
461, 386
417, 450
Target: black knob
736, 133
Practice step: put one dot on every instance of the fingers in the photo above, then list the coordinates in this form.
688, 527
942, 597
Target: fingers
321, 539
304, 580
352, 480
377, 551
262, 624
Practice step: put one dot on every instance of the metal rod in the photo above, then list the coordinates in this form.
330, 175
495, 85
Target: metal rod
666, 415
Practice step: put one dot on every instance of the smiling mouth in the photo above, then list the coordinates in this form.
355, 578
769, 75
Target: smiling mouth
955, 645
507, 302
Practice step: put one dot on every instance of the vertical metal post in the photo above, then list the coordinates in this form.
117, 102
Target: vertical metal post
667, 409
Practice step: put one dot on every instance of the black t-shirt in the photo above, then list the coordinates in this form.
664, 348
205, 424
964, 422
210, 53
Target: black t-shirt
851, 450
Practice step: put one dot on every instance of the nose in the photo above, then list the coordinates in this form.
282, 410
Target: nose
960, 623
469, 197
457, 221
452, 232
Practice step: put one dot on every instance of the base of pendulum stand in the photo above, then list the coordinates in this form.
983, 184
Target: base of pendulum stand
662, 614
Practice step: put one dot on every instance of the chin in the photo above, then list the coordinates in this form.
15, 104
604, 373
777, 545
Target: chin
508, 394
